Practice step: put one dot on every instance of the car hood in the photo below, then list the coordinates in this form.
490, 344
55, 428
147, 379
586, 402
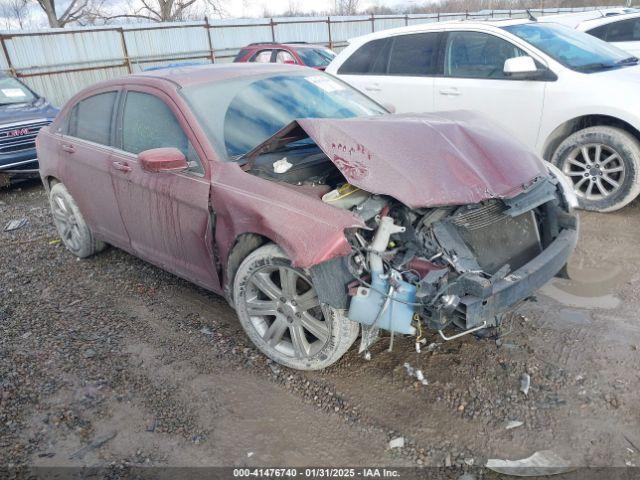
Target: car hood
628, 75
22, 112
424, 160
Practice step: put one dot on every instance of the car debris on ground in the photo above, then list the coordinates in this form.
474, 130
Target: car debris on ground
545, 462
397, 442
525, 383
513, 424
16, 224
96, 443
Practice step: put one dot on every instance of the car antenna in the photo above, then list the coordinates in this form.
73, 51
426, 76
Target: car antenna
530, 15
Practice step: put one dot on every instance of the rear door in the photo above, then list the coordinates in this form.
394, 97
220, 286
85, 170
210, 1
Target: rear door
284, 56
86, 148
398, 70
474, 80
263, 56
412, 67
166, 215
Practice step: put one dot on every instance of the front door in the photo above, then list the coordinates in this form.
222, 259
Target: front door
166, 215
86, 147
474, 80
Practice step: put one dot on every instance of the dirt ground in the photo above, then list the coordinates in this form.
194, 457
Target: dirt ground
110, 346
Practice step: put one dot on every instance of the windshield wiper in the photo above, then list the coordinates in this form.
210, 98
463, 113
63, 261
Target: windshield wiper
596, 66
628, 61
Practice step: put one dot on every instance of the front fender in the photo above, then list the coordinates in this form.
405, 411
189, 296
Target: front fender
308, 230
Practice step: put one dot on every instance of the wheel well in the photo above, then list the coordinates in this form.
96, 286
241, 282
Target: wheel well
242, 247
580, 123
50, 181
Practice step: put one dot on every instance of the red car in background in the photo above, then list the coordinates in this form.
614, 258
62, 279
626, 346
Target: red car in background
294, 53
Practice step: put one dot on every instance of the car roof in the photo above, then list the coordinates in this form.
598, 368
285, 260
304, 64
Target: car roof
574, 19
284, 44
595, 22
446, 25
191, 75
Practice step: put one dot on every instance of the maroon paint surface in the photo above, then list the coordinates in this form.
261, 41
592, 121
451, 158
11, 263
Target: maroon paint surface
427, 160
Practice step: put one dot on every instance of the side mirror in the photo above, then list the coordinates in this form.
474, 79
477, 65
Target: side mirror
389, 106
290, 62
160, 160
520, 67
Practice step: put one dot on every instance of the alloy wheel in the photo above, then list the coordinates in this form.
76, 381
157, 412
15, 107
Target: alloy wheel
283, 307
66, 222
596, 170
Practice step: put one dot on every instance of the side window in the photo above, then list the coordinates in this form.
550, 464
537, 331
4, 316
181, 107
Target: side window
241, 54
370, 59
415, 54
284, 56
90, 119
262, 57
477, 55
148, 122
624, 31
599, 32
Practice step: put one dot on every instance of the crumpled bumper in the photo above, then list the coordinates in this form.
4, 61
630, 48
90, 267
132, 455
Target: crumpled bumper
519, 285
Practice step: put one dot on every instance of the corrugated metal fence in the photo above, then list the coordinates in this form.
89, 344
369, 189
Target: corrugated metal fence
57, 63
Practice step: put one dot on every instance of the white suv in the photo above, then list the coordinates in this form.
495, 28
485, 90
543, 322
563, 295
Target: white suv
621, 30
571, 97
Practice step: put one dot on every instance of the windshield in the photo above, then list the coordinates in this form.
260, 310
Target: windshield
13, 91
576, 50
241, 113
316, 57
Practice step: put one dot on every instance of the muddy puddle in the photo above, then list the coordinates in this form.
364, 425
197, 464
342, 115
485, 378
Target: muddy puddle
589, 288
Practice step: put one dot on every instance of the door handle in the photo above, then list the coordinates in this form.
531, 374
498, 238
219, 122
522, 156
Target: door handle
373, 88
450, 92
123, 167
67, 147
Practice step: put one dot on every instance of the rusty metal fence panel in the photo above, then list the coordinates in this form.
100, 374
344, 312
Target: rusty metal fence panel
57, 63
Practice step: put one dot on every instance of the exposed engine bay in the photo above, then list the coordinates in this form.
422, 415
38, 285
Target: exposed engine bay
441, 266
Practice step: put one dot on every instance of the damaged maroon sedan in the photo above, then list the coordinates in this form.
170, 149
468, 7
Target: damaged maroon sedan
316, 213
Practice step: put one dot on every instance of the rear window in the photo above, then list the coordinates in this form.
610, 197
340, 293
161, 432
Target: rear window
370, 59
91, 118
241, 54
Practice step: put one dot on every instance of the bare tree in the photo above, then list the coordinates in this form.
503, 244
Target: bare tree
59, 16
15, 12
346, 7
167, 10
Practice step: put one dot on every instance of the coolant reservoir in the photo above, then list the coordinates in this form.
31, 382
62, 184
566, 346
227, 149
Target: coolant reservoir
346, 196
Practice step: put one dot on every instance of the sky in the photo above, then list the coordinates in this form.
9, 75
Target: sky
255, 8
232, 8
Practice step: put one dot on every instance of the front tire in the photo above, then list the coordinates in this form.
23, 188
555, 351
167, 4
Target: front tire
72, 228
279, 310
604, 165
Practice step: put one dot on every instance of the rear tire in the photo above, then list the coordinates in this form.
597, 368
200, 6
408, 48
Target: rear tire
72, 228
604, 165
280, 312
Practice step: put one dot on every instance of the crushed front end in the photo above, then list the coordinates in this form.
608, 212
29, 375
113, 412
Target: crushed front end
459, 266
461, 222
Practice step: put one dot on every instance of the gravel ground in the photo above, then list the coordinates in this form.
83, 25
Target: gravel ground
152, 370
